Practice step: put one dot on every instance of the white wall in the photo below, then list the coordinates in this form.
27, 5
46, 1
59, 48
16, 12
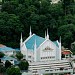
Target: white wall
47, 54
8, 53
42, 53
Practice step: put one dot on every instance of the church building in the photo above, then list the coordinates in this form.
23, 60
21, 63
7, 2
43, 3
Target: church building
36, 48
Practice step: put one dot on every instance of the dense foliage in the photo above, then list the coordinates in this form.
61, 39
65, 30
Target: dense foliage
13, 71
1, 54
2, 69
7, 64
19, 55
23, 65
17, 16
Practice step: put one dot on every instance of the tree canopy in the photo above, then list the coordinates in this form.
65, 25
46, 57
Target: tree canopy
23, 65
17, 16
7, 64
1, 54
13, 71
19, 55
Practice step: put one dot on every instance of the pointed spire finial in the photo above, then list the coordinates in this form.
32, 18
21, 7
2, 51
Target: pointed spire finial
21, 41
30, 31
60, 39
47, 34
21, 38
60, 48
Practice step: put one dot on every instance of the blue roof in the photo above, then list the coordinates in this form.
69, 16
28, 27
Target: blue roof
8, 58
17, 49
30, 43
6, 48
55, 42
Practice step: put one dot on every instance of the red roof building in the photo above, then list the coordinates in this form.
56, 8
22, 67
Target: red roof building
1, 45
66, 53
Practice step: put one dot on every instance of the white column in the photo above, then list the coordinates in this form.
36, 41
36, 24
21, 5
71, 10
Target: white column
26, 54
30, 31
47, 34
35, 51
21, 41
60, 49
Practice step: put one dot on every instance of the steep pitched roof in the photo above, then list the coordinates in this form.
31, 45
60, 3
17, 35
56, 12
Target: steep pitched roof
39, 40
30, 42
55, 42
66, 52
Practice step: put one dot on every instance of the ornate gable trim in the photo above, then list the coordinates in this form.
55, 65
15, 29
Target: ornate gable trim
47, 48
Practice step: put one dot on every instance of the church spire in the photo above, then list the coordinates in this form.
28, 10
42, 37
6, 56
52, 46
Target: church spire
47, 34
60, 39
21, 40
30, 31
60, 48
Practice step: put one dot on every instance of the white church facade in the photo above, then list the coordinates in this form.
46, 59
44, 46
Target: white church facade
44, 56
36, 48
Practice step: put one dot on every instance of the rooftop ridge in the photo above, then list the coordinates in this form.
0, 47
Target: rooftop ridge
28, 38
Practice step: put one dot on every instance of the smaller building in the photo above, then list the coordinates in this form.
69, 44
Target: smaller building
10, 59
66, 54
8, 51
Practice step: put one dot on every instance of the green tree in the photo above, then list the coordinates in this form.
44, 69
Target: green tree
23, 65
16, 16
21, 1
68, 6
67, 34
2, 69
13, 71
44, 6
10, 25
1, 54
7, 64
69, 19
9, 6
19, 55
